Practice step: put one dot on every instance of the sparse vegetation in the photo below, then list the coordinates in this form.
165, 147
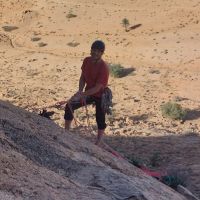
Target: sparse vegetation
135, 161
154, 71
9, 28
125, 23
118, 71
155, 160
173, 110
35, 39
71, 15
42, 44
173, 179
73, 44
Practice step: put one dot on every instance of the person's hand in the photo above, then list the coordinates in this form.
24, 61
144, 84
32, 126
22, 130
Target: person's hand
77, 96
60, 104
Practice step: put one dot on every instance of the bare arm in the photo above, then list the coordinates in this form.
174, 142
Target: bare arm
80, 91
81, 83
93, 90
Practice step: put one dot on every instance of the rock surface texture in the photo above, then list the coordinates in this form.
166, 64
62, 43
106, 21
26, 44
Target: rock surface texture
39, 160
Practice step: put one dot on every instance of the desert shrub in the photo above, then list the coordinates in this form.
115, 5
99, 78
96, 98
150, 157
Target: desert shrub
154, 71
175, 178
35, 39
135, 161
9, 28
71, 15
73, 44
125, 23
116, 70
173, 110
155, 160
42, 44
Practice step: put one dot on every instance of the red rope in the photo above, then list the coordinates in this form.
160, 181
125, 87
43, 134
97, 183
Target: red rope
105, 146
90, 130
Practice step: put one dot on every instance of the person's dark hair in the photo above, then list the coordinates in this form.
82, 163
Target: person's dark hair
98, 44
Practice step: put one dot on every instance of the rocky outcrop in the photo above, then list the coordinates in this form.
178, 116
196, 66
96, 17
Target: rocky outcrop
39, 160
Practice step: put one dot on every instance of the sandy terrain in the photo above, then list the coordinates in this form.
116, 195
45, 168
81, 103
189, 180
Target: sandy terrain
41, 51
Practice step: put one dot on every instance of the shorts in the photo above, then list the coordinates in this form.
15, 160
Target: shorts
100, 114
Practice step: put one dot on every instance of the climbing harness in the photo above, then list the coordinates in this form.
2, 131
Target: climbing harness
106, 101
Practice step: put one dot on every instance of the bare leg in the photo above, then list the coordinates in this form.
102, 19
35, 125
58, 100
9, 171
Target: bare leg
99, 136
68, 124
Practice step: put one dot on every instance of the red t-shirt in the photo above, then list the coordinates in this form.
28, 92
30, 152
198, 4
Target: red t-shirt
94, 73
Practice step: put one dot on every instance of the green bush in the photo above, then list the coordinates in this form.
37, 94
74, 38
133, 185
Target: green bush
116, 70
175, 178
125, 23
173, 110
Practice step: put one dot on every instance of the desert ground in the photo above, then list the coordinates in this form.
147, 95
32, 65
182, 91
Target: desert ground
43, 44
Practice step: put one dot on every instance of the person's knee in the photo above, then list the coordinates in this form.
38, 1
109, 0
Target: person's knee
68, 113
